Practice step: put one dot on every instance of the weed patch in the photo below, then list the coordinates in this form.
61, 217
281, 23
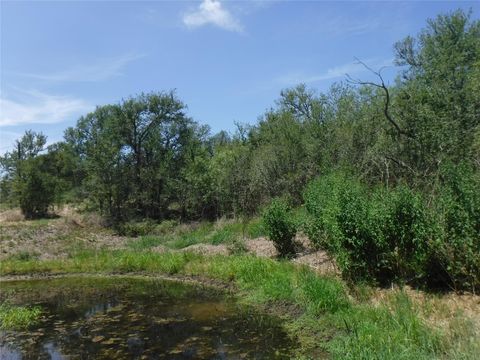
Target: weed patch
18, 317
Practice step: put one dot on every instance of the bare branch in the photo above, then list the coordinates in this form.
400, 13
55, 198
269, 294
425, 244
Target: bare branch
381, 85
401, 163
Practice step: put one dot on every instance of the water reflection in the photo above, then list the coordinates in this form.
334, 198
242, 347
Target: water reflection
125, 318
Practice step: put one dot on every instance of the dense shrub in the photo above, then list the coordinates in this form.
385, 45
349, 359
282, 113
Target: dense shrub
322, 205
34, 188
386, 235
458, 211
280, 226
382, 235
404, 234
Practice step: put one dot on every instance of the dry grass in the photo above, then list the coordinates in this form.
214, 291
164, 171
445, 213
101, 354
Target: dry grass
53, 238
11, 215
261, 247
456, 316
436, 306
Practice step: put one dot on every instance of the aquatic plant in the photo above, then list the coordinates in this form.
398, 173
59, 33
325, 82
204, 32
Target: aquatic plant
18, 317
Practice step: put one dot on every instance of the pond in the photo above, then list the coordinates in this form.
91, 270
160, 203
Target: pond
137, 318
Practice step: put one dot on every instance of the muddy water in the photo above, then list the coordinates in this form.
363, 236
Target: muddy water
127, 318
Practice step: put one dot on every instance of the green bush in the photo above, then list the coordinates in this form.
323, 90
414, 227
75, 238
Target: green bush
397, 234
380, 235
34, 188
166, 227
458, 214
322, 205
404, 234
280, 226
136, 228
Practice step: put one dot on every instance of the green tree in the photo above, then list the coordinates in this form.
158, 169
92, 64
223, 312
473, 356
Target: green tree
34, 187
135, 153
27, 147
436, 102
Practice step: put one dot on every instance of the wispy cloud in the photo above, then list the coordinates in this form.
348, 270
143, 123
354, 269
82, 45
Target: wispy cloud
214, 13
39, 108
348, 26
103, 69
336, 72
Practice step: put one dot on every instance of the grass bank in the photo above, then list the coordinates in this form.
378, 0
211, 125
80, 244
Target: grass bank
173, 235
320, 311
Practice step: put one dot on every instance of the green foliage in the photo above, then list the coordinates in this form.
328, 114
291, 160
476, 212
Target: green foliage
458, 214
34, 187
237, 247
25, 255
18, 317
254, 228
136, 154
27, 147
406, 234
135, 228
165, 227
322, 198
435, 103
21, 174
383, 333
280, 226
397, 234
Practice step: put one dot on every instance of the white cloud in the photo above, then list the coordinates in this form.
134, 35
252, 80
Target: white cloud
104, 69
212, 12
333, 73
40, 108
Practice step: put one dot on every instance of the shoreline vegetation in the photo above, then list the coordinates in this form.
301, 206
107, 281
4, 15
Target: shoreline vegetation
328, 317
18, 317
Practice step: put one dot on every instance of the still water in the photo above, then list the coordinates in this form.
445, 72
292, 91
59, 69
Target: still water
132, 318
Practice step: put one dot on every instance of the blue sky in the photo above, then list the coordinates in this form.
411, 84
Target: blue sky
227, 60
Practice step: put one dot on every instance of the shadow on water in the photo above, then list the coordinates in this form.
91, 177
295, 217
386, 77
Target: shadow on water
127, 318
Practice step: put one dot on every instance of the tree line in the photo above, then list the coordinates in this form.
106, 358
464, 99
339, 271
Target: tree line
146, 158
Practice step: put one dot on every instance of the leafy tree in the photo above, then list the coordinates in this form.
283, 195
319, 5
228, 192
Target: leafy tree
436, 100
134, 154
27, 147
34, 187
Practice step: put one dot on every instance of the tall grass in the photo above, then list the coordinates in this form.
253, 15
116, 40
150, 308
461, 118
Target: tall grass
393, 332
